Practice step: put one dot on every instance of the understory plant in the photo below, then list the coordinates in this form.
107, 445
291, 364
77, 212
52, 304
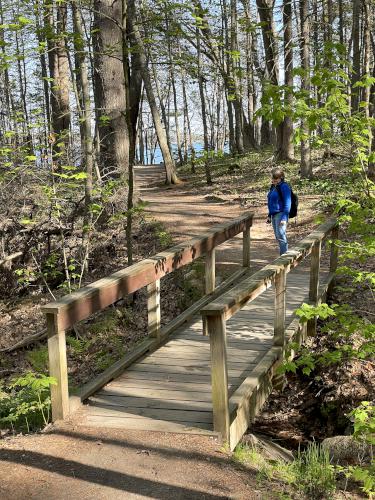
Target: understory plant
351, 337
25, 403
314, 475
310, 474
364, 431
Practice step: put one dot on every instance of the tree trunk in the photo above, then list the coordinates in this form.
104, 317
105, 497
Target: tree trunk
110, 100
251, 104
187, 121
265, 10
59, 73
204, 114
85, 122
306, 166
162, 106
232, 66
356, 71
287, 147
170, 170
174, 92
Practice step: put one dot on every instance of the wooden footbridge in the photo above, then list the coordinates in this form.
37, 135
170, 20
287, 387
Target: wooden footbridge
211, 368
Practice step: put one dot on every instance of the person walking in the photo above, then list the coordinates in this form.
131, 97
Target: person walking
279, 203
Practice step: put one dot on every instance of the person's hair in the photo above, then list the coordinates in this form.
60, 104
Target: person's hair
277, 173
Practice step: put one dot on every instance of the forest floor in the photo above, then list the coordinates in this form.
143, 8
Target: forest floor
67, 462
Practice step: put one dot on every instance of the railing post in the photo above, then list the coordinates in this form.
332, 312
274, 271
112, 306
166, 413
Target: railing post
279, 319
58, 368
279, 339
210, 278
333, 261
219, 374
246, 244
153, 309
314, 283
210, 272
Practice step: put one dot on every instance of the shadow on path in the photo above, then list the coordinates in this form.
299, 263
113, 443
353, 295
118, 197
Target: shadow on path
103, 477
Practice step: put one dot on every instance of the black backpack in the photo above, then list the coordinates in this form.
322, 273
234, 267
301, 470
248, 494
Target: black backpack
294, 204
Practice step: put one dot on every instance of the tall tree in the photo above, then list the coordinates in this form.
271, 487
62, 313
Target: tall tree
287, 146
170, 169
265, 10
356, 71
85, 124
306, 165
109, 88
56, 27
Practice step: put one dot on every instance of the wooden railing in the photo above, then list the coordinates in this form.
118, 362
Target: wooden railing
232, 415
79, 305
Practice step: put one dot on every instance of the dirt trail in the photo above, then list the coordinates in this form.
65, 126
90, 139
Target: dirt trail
187, 213
109, 464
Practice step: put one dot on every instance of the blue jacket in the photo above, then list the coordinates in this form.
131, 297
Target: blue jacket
277, 204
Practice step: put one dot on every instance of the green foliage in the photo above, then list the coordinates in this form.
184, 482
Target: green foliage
104, 360
365, 476
38, 358
314, 474
363, 418
78, 346
307, 312
192, 284
249, 456
114, 351
25, 403
310, 474
364, 422
163, 237
50, 267
341, 329
106, 323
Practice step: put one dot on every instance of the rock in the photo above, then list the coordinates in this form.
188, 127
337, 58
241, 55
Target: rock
268, 448
345, 450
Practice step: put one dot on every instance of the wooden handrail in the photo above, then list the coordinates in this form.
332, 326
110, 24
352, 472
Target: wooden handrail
257, 283
217, 312
77, 306
104, 292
